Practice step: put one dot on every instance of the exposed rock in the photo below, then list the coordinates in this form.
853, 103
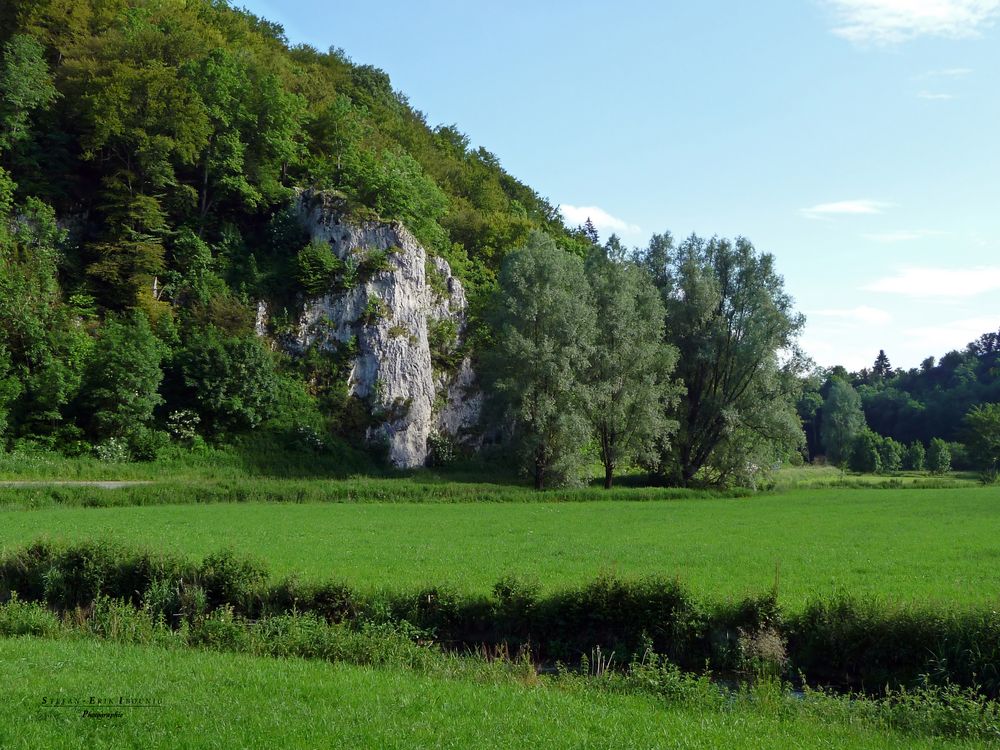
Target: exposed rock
389, 312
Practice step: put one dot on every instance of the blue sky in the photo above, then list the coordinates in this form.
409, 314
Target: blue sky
856, 140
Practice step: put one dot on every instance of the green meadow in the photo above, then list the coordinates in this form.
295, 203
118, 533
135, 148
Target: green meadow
207, 700
938, 546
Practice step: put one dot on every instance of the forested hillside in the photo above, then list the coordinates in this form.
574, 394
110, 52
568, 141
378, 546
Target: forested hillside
149, 151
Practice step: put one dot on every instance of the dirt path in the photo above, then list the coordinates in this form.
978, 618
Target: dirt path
103, 485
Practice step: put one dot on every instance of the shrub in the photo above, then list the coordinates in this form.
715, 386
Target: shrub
373, 262
442, 449
317, 267
117, 620
26, 618
233, 581
375, 310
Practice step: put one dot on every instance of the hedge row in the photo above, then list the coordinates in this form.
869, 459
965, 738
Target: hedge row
844, 643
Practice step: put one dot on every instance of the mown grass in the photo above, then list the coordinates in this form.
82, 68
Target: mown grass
216, 700
928, 546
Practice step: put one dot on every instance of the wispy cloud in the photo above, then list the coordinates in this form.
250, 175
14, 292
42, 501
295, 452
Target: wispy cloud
902, 235
895, 21
952, 335
861, 314
956, 283
844, 208
944, 73
934, 96
601, 219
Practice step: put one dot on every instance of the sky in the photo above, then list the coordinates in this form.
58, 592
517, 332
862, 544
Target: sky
855, 140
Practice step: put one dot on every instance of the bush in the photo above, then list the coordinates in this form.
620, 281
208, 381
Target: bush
234, 581
317, 267
441, 449
26, 618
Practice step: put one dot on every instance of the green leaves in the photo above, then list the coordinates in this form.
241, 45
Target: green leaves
982, 435
544, 319
628, 379
25, 86
728, 316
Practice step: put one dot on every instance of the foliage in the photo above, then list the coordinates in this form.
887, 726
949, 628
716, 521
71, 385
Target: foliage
121, 387
728, 316
890, 455
914, 457
865, 456
543, 322
25, 86
231, 382
630, 389
938, 457
982, 435
317, 267
843, 420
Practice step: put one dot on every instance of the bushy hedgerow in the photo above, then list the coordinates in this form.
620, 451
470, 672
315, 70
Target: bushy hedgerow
847, 643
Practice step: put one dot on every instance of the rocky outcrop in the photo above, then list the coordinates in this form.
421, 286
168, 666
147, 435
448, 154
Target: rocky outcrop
399, 301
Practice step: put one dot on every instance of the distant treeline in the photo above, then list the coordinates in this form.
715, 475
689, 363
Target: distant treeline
948, 400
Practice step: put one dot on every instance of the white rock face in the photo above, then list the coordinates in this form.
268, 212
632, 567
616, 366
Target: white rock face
393, 370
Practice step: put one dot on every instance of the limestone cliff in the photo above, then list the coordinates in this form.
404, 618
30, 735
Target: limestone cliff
391, 311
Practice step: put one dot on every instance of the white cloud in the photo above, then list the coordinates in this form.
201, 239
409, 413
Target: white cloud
902, 235
578, 215
844, 208
861, 314
945, 73
940, 282
952, 335
894, 21
934, 96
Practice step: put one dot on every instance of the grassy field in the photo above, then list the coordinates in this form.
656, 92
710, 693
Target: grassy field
212, 700
938, 546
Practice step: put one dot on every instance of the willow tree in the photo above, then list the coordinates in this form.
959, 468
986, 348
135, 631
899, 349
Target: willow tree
543, 327
630, 388
731, 321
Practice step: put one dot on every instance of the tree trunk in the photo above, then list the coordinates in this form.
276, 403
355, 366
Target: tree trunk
609, 475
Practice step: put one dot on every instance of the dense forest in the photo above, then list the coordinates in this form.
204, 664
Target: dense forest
150, 154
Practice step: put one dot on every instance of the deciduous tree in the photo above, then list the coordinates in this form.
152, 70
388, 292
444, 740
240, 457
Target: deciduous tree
630, 389
543, 326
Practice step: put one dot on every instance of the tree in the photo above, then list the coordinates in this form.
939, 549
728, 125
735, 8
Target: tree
590, 232
25, 85
938, 457
882, 370
914, 457
864, 456
890, 455
10, 389
543, 325
231, 381
982, 435
629, 374
728, 315
121, 385
843, 419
